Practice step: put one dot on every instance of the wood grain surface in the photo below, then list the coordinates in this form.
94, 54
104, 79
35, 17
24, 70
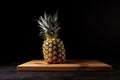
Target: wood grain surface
69, 65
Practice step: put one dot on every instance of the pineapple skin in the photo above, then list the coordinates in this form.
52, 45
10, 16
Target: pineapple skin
53, 50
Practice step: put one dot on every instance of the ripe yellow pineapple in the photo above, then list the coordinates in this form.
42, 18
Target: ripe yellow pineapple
53, 47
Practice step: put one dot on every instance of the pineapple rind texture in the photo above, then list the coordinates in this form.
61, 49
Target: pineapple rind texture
53, 51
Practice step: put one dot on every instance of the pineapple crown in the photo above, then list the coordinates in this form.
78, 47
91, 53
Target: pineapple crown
49, 25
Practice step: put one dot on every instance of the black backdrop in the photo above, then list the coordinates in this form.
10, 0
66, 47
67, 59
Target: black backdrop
90, 29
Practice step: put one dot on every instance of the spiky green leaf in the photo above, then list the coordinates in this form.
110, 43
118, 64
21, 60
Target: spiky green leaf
44, 22
55, 17
58, 28
55, 25
45, 15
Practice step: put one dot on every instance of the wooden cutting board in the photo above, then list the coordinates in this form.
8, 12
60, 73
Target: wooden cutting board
69, 65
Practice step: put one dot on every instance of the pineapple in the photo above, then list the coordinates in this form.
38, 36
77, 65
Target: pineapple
53, 47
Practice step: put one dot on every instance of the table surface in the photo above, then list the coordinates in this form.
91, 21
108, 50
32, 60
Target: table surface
9, 72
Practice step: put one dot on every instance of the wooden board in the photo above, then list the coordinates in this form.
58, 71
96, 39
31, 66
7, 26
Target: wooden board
69, 65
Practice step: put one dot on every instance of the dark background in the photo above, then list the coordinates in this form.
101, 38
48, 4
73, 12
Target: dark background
89, 29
